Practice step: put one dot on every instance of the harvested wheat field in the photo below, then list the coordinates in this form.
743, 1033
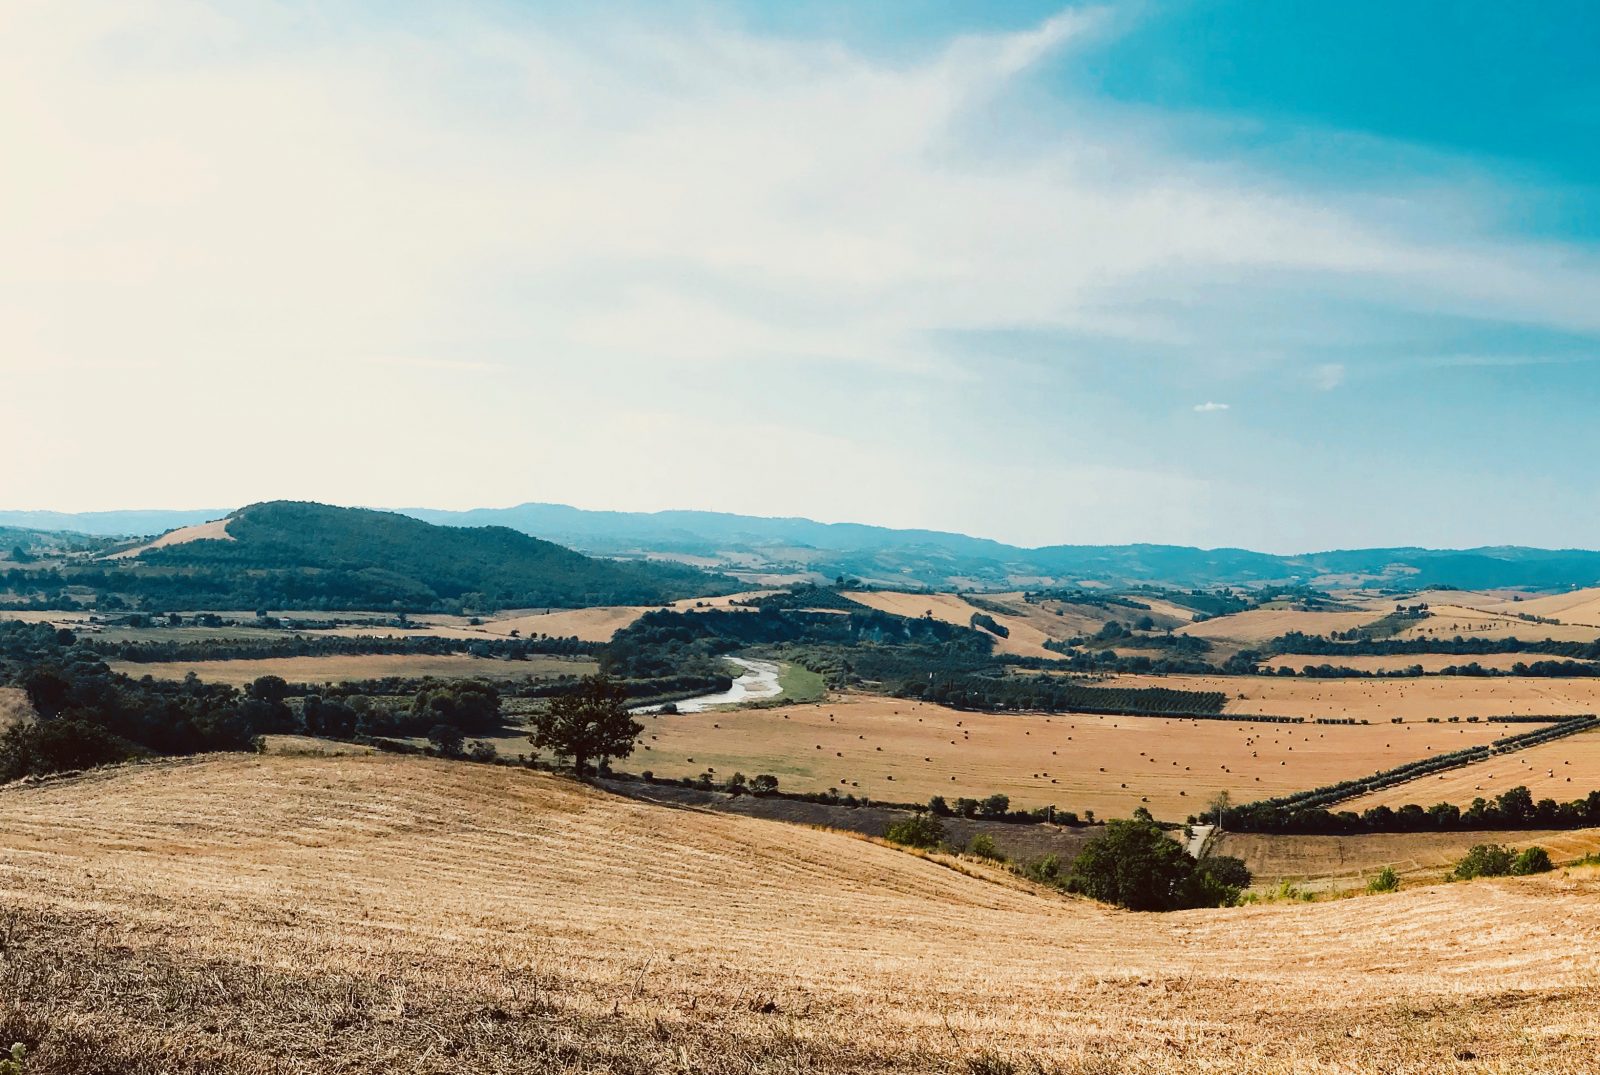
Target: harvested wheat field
1449, 621
1025, 640
1380, 700
902, 751
343, 668
216, 530
1575, 606
1563, 770
261, 914
1344, 863
1396, 662
1262, 624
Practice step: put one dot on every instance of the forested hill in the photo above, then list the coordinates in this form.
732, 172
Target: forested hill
293, 555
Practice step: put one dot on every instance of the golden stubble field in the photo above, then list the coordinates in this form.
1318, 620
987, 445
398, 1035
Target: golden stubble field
259, 914
1429, 662
1345, 863
342, 668
902, 751
1563, 770
1384, 699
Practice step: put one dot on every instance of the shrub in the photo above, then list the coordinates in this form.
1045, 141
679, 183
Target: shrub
1046, 870
1386, 880
55, 746
446, 739
12, 1063
1483, 860
764, 784
479, 750
1531, 860
921, 830
983, 847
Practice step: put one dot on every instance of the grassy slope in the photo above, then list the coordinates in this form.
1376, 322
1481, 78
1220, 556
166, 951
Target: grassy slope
380, 914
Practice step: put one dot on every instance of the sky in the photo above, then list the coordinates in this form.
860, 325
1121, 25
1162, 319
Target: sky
1287, 276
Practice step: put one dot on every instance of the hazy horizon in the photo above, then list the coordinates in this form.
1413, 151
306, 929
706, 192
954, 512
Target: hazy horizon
1279, 277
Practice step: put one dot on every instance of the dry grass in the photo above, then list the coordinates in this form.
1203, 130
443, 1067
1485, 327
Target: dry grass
1171, 766
379, 914
14, 706
343, 668
216, 530
1381, 700
1562, 770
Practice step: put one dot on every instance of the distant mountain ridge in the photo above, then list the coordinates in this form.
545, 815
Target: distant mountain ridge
941, 559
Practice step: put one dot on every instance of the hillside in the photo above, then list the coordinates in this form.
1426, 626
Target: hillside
253, 914
888, 556
293, 555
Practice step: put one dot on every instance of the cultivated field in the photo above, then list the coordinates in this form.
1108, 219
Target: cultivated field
1430, 662
363, 915
1578, 606
1262, 624
343, 668
900, 751
1562, 770
1344, 863
1448, 621
1381, 700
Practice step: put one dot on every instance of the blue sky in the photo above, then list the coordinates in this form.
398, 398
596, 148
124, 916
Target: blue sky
1285, 275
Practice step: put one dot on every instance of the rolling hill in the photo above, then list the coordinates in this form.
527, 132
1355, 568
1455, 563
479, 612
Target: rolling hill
942, 560
295, 555
244, 913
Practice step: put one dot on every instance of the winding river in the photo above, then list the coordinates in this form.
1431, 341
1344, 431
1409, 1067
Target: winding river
758, 683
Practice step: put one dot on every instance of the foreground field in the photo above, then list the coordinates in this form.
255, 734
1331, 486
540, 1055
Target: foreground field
341, 668
251, 914
901, 751
1383, 700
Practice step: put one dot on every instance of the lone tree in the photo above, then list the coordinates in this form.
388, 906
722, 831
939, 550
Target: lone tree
591, 722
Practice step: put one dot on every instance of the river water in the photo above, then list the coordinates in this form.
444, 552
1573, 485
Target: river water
758, 682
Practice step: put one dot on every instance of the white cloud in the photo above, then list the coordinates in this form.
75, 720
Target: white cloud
1210, 408
229, 211
1328, 375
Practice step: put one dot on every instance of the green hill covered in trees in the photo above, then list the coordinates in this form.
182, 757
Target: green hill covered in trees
294, 555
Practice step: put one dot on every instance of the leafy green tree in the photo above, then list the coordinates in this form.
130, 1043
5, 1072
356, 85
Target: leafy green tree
1531, 860
764, 784
591, 722
996, 805
1483, 860
1133, 864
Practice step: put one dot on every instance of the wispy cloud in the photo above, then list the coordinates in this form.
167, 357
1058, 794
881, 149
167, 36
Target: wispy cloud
674, 221
1211, 408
